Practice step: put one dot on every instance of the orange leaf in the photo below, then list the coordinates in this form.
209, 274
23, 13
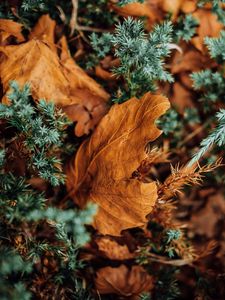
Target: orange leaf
122, 281
10, 28
63, 81
172, 7
34, 62
191, 60
209, 26
104, 164
84, 91
150, 9
188, 6
113, 250
44, 30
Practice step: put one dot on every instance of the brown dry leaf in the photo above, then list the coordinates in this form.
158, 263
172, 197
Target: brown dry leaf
150, 9
103, 166
113, 250
123, 281
89, 99
103, 74
188, 6
181, 98
10, 28
63, 81
172, 7
208, 26
190, 60
205, 221
36, 63
44, 30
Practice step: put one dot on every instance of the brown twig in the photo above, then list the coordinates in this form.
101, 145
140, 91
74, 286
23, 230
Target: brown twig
74, 23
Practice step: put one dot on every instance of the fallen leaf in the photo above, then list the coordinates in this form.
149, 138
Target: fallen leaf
150, 9
103, 166
123, 281
103, 74
172, 7
63, 81
209, 26
181, 98
113, 250
188, 6
36, 63
9, 28
205, 221
44, 30
190, 60
89, 99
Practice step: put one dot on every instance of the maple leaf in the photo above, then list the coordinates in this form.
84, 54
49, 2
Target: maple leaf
122, 281
104, 164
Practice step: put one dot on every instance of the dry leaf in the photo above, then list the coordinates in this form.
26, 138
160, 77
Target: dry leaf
181, 98
103, 74
113, 250
208, 26
188, 6
36, 63
190, 60
103, 166
205, 221
44, 30
89, 99
150, 9
172, 7
63, 81
122, 281
9, 28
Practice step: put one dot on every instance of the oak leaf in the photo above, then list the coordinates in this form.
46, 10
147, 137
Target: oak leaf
103, 166
123, 281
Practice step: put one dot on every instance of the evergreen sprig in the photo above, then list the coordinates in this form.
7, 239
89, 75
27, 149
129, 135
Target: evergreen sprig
186, 27
217, 137
25, 213
125, 2
141, 55
216, 47
41, 128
